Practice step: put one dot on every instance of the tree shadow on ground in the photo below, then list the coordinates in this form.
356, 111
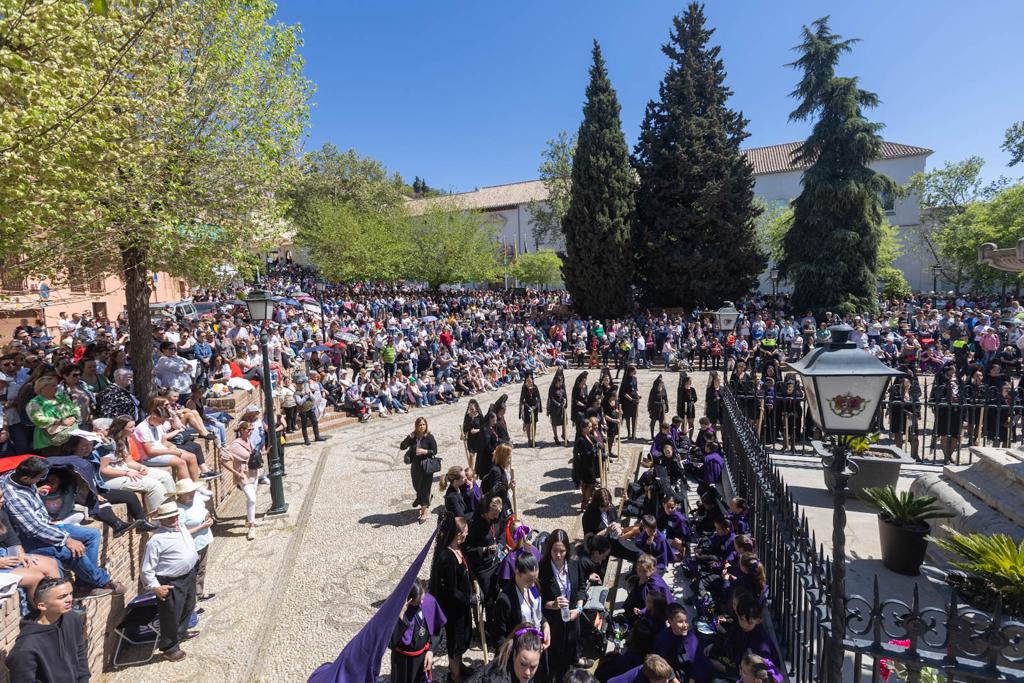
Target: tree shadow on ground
392, 519
557, 485
559, 505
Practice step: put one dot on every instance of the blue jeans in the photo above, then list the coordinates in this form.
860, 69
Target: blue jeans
86, 567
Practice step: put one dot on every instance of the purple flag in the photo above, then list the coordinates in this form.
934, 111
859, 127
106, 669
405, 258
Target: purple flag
360, 661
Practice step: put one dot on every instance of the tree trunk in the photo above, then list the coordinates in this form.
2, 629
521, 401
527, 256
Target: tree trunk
140, 346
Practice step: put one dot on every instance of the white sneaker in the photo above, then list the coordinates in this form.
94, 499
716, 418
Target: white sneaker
251, 536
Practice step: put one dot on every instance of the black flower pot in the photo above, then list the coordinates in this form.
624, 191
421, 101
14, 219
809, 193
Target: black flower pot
903, 548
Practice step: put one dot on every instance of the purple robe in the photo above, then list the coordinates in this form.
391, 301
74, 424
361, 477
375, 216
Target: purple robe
668, 646
634, 675
433, 618
507, 570
657, 584
713, 465
472, 495
658, 546
737, 642
674, 525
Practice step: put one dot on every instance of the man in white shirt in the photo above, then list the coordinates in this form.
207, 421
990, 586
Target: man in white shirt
173, 371
168, 571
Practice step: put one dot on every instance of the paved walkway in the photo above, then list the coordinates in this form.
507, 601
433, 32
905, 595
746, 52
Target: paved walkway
290, 600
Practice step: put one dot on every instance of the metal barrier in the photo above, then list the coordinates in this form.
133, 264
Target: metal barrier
961, 643
915, 422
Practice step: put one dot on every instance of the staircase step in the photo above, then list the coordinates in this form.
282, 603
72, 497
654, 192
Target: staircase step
1002, 461
998, 489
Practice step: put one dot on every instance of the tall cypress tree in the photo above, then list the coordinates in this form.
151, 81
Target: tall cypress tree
831, 250
597, 224
694, 237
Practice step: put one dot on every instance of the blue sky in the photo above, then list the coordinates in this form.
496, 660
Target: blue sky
465, 94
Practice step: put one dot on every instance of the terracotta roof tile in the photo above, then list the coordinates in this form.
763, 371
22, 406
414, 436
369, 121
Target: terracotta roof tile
778, 158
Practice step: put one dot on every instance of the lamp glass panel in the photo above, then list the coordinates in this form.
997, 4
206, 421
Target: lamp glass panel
260, 307
812, 400
849, 402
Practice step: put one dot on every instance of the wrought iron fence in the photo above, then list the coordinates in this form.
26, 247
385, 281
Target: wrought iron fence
961, 643
921, 421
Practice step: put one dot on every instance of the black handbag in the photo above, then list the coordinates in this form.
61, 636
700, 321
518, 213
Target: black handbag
431, 465
255, 459
407, 458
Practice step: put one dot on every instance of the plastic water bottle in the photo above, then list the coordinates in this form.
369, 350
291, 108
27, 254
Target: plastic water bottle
565, 612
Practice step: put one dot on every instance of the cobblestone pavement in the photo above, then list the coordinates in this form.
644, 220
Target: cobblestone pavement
290, 600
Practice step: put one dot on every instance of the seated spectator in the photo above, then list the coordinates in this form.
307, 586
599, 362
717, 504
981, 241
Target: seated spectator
191, 500
120, 472
654, 670
55, 416
647, 579
51, 644
75, 547
31, 569
117, 398
154, 435
171, 370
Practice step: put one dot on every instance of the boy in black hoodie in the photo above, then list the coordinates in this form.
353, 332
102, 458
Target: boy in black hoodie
50, 647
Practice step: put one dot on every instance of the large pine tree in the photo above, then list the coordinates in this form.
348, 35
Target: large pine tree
597, 224
831, 250
695, 236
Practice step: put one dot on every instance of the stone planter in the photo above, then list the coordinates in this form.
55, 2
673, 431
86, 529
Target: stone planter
874, 470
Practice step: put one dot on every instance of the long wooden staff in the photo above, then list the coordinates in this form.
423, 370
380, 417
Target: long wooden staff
515, 506
465, 447
977, 427
602, 468
785, 431
478, 611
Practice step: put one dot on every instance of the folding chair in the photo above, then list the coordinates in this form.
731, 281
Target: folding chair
141, 628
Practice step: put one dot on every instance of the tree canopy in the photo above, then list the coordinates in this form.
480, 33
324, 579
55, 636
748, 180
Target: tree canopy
831, 250
556, 174
597, 224
695, 237
542, 267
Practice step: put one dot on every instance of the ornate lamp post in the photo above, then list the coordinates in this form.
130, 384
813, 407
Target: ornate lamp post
936, 272
726, 317
261, 309
774, 275
844, 389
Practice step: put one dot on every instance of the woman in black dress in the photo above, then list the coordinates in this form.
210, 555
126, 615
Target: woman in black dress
563, 588
790, 403
417, 634
579, 399
948, 397
530, 406
612, 421
686, 401
452, 587
904, 413
584, 462
500, 426
557, 405
455, 498
657, 404
489, 441
473, 431
713, 399
419, 446
629, 401
499, 481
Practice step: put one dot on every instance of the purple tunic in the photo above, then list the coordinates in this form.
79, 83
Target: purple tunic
433, 618
713, 465
658, 546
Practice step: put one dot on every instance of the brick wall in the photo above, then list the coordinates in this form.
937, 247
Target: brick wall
122, 558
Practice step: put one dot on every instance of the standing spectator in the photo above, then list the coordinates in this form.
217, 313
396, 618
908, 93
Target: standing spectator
243, 462
50, 647
168, 570
191, 499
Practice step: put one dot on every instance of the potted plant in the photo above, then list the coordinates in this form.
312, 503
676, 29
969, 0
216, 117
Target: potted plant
877, 465
903, 526
993, 568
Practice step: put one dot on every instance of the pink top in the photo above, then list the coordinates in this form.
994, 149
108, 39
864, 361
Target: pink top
238, 452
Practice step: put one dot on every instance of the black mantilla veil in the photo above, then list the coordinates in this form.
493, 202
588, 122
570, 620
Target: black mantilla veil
559, 375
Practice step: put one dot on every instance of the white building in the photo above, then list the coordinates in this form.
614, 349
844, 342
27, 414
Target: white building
777, 181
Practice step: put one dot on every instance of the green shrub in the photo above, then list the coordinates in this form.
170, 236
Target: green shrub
996, 559
903, 509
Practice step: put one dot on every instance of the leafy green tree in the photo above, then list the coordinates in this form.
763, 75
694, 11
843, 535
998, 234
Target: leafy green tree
348, 243
362, 183
211, 104
542, 267
772, 224
695, 236
597, 223
1014, 143
556, 174
999, 220
831, 250
448, 245
945, 194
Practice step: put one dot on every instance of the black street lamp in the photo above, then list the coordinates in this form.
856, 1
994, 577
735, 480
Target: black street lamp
320, 287
774, 275
261, 310
936, 272
844, 388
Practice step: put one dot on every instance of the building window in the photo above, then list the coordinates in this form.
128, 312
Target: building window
888, 202
97, 285
76, 279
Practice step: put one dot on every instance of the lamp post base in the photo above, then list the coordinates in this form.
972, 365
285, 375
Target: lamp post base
277, 511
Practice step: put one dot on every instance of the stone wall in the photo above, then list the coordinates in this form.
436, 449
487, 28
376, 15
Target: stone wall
122, 558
